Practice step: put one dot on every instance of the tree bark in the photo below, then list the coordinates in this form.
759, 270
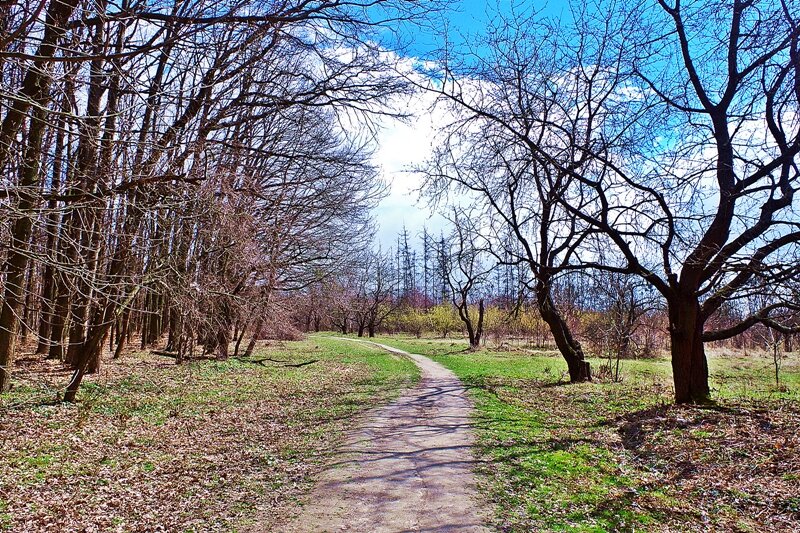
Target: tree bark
238, 335
252, 344
90, 348
223, 340
570, 348
122, 333
479, 326
59, 317
689, 365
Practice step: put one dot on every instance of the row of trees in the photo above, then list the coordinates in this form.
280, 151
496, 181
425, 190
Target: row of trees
612, 315
168, 166
172, 168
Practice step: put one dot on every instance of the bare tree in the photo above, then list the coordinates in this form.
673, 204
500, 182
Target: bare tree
466, 273
376, 286
714, 203
504, 106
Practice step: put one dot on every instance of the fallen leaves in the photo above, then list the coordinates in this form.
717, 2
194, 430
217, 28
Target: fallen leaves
153, 447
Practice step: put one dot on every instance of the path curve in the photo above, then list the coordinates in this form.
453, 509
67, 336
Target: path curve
407, 468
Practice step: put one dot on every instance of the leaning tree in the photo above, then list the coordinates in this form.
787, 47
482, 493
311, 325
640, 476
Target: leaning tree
504, 98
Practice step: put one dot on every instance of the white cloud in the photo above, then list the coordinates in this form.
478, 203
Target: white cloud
402, 145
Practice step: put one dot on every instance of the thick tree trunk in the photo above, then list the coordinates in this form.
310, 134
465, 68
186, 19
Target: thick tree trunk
470, 335
77, 329
93, 365
689, 364
568, 345
173, 332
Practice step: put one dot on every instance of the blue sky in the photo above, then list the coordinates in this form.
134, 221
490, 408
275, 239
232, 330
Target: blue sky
467, 18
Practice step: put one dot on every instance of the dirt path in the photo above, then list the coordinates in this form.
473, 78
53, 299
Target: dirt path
408, 468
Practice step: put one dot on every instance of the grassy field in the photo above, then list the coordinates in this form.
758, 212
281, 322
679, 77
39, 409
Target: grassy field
606, 456
204, 446
213, 446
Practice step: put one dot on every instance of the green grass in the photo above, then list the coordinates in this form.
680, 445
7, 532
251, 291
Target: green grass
557, 458
205, 443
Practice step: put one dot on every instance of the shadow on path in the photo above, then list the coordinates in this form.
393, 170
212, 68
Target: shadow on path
409, 466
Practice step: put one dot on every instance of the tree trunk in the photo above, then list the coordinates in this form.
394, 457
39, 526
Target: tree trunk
89, 350
568, 345
46, 312
122, 334
27, 310
17, 258
223, 339
59, 317
154, 325
238, 335
689, 365
473, 342
93, 365
79, 313
479, 327
173, 332
252, 344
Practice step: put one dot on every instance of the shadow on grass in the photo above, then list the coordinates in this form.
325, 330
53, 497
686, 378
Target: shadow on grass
635, 426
